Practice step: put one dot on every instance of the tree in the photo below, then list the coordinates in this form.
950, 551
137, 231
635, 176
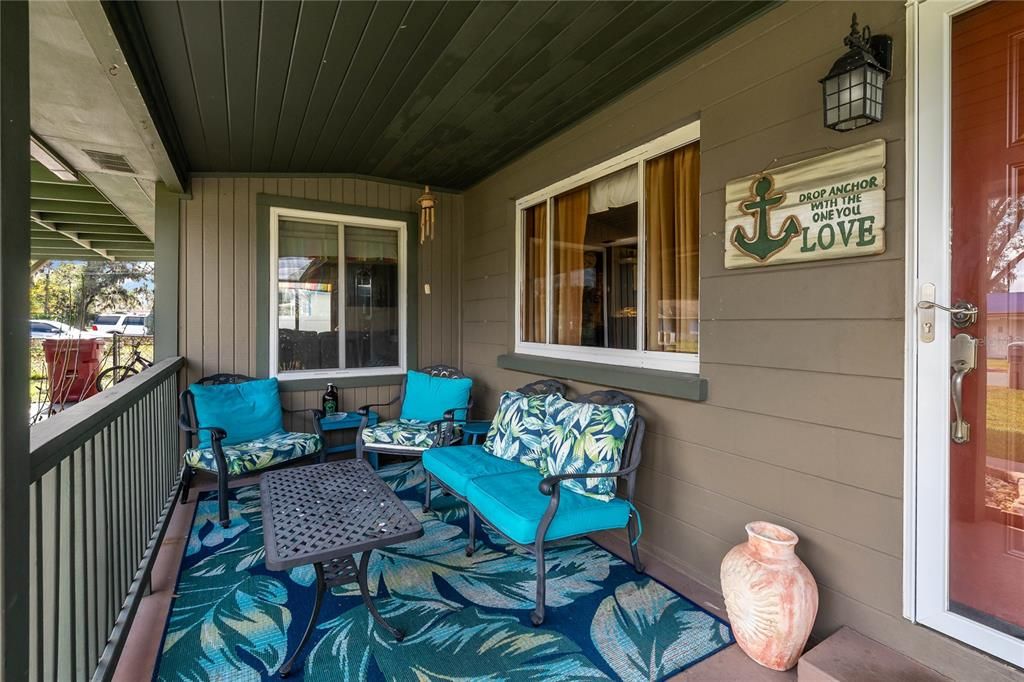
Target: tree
73, 291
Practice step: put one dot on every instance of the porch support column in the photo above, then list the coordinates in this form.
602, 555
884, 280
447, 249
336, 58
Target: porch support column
167, 284
14, 278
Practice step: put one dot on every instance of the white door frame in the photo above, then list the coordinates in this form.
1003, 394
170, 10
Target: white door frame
927, 409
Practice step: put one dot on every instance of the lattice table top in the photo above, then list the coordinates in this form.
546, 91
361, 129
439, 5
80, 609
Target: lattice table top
320, 512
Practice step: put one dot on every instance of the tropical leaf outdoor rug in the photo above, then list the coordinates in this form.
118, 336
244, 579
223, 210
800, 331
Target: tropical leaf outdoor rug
465, 618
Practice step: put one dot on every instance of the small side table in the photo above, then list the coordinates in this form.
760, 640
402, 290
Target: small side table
340, 421
475, 431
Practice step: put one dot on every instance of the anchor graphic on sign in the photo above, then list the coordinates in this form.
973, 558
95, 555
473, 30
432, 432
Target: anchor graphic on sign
763, 245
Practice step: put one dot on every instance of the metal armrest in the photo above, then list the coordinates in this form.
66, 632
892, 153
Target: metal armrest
317, 414
216, 433
315, 411
550, 483
448, 418
364, 411
449, 415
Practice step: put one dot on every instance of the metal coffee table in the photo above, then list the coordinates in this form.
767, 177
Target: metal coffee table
322, 514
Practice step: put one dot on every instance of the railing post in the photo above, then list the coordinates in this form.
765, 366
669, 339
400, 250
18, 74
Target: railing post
14, 262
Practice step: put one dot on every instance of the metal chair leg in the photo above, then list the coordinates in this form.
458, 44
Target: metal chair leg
186, 481
537, 616
426, 497
222, 500
471, 545
633, 548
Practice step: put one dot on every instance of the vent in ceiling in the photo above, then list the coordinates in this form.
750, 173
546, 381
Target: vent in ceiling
110, 162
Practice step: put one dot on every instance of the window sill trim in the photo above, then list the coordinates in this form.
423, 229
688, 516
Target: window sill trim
683, 385
341, 381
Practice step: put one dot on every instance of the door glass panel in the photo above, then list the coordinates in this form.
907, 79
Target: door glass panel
307, 295
371, 298
986, 473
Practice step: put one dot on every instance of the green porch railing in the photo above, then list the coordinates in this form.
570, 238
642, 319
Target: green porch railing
104, 475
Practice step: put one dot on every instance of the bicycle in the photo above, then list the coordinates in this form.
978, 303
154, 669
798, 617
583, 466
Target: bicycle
119, 372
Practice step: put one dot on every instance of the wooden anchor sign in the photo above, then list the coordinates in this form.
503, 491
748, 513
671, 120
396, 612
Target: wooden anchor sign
831, 206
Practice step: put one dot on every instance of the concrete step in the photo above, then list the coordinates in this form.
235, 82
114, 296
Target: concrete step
848, 656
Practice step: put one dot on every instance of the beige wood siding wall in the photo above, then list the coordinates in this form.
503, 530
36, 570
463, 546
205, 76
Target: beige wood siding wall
804, 421
217, 291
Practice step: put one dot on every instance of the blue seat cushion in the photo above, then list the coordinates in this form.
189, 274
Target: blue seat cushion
457, 465
246, 411
515, 506
427, 398
256, 454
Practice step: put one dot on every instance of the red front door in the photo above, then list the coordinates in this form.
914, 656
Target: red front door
986, 472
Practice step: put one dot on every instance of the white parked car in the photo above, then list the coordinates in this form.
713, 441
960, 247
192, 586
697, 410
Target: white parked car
46, 329
129, 324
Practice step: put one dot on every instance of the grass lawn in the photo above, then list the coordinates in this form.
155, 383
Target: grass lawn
997, 364
1005, 421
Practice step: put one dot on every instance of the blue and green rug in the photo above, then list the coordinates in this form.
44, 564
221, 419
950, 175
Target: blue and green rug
465, 618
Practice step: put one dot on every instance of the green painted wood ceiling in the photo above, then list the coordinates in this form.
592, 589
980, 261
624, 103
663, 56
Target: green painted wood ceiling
72, 220
438, 92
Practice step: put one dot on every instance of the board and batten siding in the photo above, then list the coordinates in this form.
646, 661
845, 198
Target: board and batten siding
803, 424
217, 284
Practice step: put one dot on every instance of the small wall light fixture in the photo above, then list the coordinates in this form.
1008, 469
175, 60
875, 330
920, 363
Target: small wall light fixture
853, 89
427, 201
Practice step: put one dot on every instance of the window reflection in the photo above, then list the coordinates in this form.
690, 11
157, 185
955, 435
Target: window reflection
371, 298
307, 295
595, 263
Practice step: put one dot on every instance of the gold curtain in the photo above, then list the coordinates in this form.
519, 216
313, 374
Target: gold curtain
535, 294
570, 229
673, 230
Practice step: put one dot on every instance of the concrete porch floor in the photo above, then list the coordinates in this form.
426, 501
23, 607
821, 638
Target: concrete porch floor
140, 651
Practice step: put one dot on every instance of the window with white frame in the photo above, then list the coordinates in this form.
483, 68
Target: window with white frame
340, 302
607, 260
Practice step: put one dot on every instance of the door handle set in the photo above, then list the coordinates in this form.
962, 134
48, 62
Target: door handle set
963, 352
962, 314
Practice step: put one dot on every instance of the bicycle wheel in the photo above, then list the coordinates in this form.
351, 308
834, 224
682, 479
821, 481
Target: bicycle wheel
114, 375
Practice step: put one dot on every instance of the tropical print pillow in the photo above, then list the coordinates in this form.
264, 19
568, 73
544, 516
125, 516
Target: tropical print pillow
584, 438
518, 428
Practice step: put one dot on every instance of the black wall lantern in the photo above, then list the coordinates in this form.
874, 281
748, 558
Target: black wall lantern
853, 89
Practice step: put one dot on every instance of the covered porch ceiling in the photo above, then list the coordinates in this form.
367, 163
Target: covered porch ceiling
90, 124
433, 92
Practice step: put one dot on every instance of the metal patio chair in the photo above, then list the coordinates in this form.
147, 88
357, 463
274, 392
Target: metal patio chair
240, 459
410, 438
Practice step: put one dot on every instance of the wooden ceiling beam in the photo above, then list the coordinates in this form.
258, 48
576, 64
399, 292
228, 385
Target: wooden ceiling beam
84, 219
81, 242
75, 193
74, 207
100, 236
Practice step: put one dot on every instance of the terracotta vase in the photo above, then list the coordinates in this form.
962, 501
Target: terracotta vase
770, 596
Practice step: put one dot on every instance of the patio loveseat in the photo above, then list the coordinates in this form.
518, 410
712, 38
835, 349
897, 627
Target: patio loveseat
555, 479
